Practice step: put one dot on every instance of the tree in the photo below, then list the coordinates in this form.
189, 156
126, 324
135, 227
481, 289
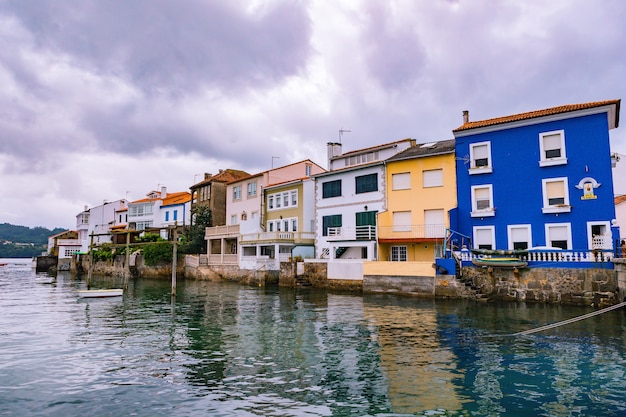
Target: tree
195, 242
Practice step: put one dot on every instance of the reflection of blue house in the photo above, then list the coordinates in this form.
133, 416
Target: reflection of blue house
538, 179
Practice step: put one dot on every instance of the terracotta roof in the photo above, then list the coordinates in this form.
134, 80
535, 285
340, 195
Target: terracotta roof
425, 149
541, 113
176, 198
169, 199
620, 199
226, 175
259, 174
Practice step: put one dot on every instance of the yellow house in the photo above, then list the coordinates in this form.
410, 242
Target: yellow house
421, 190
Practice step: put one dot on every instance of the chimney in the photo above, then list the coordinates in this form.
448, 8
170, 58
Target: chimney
334, 149
207, 175
465, 117
163, 192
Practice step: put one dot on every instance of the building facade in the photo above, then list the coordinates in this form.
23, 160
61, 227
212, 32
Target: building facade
421, 191
538, 179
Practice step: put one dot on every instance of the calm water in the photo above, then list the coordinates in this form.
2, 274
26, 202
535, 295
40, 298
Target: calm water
228, 350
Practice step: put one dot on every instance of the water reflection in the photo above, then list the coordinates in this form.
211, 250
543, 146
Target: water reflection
229, 350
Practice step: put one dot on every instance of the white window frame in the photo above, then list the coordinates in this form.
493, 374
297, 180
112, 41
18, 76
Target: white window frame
432, 178
568, 226
237, 192
606, 242
490, 229
401, 181
487, 212
512, 227
282, 200
487, 169
543, 160
252, 189
398, 253
555, 208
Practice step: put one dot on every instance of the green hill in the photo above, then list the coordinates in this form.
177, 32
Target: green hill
24, 242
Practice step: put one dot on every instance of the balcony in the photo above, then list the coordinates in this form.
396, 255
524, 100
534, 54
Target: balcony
217, 232
278, 237
351, 233
412, 232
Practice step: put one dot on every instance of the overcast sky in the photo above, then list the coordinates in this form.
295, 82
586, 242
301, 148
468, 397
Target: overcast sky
109, 99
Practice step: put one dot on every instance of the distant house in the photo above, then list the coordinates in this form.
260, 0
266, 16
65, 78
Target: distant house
421, 191
620, 215
211, 193
348, 198
64, 244
94, 225
538, 179
160, 210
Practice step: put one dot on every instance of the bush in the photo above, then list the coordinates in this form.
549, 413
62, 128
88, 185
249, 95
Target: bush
150, 237
158, 252
103, 253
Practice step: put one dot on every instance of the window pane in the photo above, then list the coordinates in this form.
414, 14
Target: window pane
433, 178
366, 183
401, 181
552, 142
481, 155
331, 189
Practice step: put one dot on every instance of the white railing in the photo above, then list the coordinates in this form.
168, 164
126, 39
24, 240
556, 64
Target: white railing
352, 233
68, 242
278, 236
217, 231
222, 259
551, 256
602, 242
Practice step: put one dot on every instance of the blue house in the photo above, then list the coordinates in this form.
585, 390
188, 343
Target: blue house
540, 179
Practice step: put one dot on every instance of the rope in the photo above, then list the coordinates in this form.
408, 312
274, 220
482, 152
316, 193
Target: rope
572, 320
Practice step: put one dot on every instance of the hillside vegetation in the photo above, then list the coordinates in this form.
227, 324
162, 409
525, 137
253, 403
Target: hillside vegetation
24, 242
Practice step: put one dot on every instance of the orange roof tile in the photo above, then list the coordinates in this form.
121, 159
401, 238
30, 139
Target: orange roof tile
176, 198
620, 199
540, 113
226, 175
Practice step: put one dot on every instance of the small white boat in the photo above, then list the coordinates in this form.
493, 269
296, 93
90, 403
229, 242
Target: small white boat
114, 292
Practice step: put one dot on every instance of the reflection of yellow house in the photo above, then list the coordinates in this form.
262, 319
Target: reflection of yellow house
422, 373
421, 189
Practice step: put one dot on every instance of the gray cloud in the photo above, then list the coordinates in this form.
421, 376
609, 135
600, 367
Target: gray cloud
110, 92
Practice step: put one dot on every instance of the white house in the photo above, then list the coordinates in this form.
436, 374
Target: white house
160, 210
97, 221
348, 198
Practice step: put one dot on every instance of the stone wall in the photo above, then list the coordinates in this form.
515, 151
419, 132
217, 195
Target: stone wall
596, 287
233, 273
418, 286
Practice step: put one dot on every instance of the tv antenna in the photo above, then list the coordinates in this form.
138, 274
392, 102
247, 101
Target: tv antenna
341, 132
